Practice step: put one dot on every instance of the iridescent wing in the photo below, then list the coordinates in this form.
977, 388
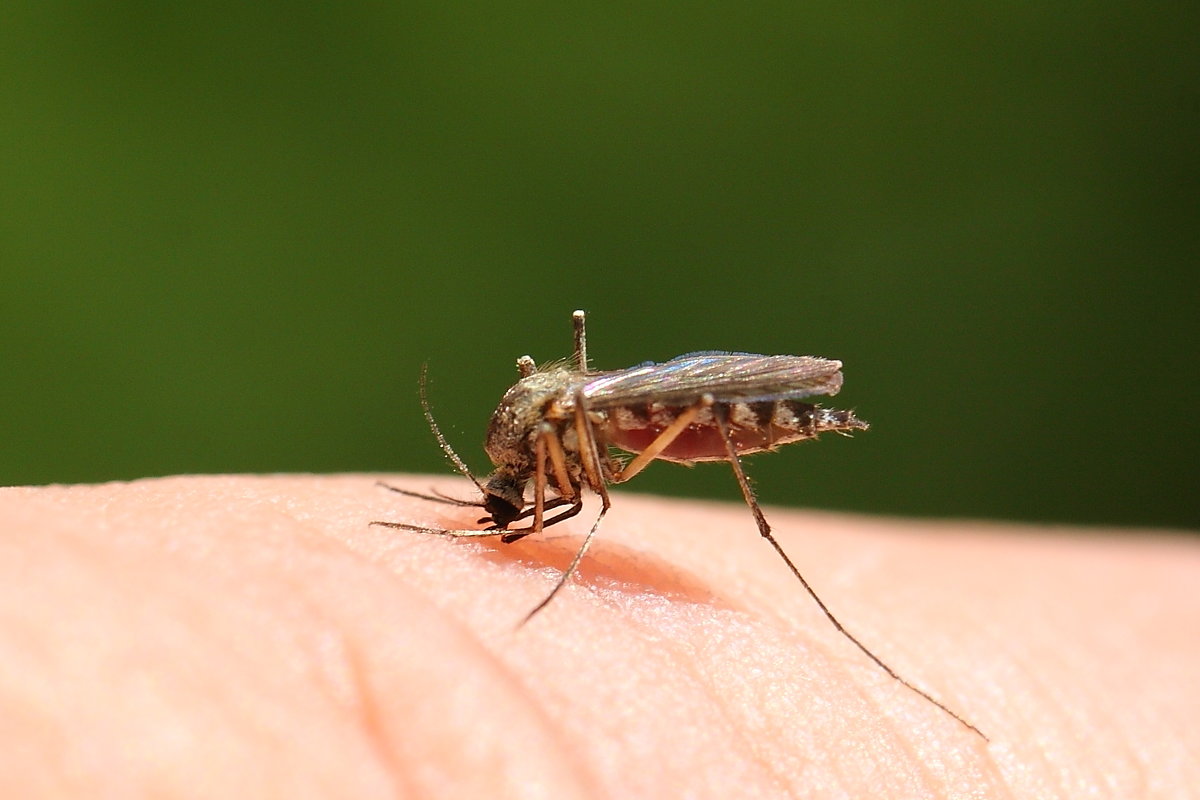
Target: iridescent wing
728, 377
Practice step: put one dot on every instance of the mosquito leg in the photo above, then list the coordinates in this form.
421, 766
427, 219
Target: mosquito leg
570, 570
547, 444
404, 526
506, 536
720, 413
555, 503
558, 461
514, 534
575, 508
589, 454
436, 498
589, 449
664, 439
539, 492
539, 481
587, 444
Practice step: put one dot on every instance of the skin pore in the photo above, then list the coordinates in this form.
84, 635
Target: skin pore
253, 636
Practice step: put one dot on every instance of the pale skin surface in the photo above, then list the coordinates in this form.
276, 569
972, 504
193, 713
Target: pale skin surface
254, 637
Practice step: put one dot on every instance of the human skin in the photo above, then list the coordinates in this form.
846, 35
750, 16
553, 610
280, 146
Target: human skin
241, 636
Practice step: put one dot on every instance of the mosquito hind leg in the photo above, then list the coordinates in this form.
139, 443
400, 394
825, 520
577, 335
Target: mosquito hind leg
721, 414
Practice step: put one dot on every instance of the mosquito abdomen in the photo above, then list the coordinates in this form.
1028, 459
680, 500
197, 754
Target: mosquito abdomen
754, 426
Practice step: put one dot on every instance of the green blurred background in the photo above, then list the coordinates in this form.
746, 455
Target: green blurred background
231, 233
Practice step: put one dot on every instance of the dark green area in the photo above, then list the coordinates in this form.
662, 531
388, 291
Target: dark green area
230, 234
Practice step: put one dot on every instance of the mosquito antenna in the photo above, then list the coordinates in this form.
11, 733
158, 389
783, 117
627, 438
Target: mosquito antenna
459, 464
581, 359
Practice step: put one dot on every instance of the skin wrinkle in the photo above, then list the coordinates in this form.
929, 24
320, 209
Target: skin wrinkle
540, 699
283, 574
681, 664
881, 628
870, 697
944, 777
497, 667
870, 691
182, 598
897, 653
837, 768
361, 702
923, 774
750, 740
556, 732
691, 666
563, 753
1075, 722
1062, 716
371, 723
983, 764
301, 620
1131, 759
1094, 719
667, 652
851, 660
1030, 669
493, 665
558, 701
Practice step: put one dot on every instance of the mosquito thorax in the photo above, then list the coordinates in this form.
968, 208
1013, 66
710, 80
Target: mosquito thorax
513, 431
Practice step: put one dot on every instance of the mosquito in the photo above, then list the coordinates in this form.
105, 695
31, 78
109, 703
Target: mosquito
557, 426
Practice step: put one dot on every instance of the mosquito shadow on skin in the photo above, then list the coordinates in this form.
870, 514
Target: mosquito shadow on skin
606, 565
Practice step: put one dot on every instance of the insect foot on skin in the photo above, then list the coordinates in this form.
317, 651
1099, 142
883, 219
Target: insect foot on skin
554, 431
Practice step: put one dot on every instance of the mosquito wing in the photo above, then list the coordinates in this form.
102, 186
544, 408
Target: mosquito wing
728, 377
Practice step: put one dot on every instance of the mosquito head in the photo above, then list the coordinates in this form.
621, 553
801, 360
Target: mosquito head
504, 496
